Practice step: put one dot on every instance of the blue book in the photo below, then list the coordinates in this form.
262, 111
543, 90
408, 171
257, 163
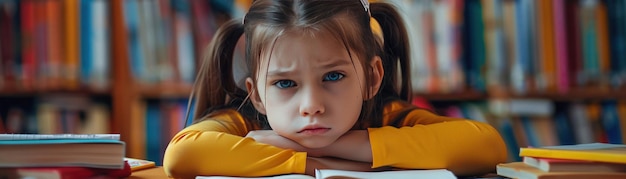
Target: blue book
611, 122
154, 133
86, 41
94, 153
531, 133
131, 18
617, 38
563, 126
508, 134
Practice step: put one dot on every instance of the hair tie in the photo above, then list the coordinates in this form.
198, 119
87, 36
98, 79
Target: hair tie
366, 6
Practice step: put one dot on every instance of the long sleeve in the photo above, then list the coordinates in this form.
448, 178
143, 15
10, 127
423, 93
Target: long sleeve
429, 141
216, 147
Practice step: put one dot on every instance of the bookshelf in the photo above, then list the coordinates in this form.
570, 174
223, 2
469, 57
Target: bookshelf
129, 96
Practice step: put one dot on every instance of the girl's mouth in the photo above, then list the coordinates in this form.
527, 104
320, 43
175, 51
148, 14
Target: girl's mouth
315, 131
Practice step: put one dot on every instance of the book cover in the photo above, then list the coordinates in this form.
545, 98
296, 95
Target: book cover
522, 171
599, 152
565, 165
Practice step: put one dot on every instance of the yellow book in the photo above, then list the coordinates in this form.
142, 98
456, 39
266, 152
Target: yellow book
138, 164
599, 152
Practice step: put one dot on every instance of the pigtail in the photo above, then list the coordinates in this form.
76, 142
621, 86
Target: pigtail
395, 49
215, 86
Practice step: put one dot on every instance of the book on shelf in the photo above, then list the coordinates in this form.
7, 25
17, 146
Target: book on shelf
598, 152
81, 152
139, 164
58, 136
329, 173
520, 170
565, 165
64, 172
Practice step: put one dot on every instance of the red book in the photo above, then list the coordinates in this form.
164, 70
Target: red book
64, 172
28, 23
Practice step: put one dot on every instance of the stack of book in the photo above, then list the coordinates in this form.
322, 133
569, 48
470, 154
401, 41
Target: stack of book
593, 160
62, 156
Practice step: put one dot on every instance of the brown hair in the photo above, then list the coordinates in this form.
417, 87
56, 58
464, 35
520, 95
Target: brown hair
266, 20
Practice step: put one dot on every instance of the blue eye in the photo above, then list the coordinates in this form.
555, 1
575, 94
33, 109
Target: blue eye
284, 83
333, 76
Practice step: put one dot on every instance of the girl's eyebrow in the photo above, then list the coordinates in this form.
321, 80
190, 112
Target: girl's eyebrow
335, 63
279, 72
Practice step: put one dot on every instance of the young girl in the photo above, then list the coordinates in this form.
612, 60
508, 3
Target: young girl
323, 91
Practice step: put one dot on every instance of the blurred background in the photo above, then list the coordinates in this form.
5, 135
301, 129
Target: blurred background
543, 72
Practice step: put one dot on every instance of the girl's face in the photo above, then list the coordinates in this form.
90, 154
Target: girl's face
311, 91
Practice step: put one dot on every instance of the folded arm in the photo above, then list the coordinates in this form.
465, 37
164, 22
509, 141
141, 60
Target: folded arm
212, 147
427, 141
465, 147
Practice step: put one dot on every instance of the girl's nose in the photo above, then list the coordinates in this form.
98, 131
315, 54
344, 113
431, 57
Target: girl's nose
312, 102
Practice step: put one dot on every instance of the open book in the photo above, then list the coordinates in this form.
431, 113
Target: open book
328, 173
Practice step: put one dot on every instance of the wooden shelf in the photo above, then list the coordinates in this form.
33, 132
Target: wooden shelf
456, 96
34, 92
165, 90
577, 94
574, 94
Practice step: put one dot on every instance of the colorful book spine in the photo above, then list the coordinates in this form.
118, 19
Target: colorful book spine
28, 23
72, 41
560, 33
617, 40
55, 43
602, 42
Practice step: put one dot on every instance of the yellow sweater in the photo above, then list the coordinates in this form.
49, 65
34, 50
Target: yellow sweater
427, 141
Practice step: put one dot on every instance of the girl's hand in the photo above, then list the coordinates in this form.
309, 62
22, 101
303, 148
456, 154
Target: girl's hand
354, 145
272, 138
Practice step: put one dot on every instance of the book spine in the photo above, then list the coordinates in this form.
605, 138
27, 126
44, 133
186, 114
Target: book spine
610, 122
560, 32
100, 60
28, 71
184, 41
55, 53
72, 41
87, 41
603, 47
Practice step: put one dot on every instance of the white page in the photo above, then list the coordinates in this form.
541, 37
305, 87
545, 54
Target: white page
439, 173
288, 176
